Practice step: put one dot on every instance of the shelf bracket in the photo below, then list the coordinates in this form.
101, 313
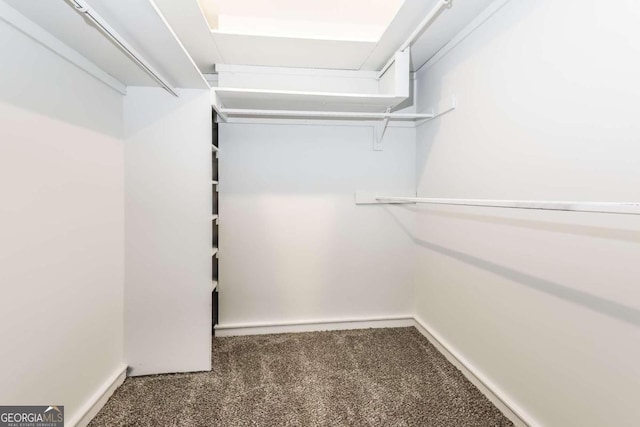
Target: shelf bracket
380, 129
217, 107
441, 109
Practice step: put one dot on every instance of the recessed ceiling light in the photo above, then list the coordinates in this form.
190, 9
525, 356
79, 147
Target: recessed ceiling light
355, 20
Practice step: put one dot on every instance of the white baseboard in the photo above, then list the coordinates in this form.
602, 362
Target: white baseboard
500, 399
224, 330
97, 400
511, 410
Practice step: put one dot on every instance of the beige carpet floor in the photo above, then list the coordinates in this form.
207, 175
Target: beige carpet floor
369, 377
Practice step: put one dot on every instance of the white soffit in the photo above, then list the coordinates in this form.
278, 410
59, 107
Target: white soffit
448, 24
187, 20
407, 20
292, 52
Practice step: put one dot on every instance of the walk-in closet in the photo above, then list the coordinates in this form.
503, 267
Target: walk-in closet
303, 213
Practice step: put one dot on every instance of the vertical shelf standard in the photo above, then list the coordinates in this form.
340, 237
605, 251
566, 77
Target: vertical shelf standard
214, 220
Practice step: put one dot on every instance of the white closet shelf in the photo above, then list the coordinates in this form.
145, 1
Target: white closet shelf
214, 285
232, 112
214, 251
258, 99
214, 148
393, 88
214, 217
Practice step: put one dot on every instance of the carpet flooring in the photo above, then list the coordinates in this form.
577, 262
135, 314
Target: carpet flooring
368, 377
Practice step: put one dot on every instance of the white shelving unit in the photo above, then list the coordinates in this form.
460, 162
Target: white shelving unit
393, 88
256, 99
392, 83
116, 47
215, 220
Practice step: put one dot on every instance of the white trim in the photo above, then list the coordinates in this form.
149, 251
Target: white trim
488, 388
261, 328
82, 7
177, 39
97, 400
498, 397
230, 112
49, 41
334, 96
290, 71
464, 33
212, 79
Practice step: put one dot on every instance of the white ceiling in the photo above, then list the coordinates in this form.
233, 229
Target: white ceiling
292, 52
407, 19
450, 23
314, 51
445, 27
142, 23
189, 23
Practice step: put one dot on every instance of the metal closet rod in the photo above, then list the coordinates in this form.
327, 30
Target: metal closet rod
102, 25
598, 207
426, 22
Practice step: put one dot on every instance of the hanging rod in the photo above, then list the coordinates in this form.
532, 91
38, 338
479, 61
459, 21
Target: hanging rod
600, 207
82, 7
326, 114
426, 22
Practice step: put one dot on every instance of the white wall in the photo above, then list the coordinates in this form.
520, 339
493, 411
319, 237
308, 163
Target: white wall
168, 231
61, 229
294, 247
545, 306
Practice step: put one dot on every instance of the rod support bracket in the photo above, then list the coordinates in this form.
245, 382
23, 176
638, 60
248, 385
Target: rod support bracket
80, 6
379, 131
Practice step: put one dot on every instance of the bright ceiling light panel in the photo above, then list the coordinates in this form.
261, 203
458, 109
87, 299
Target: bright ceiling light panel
352, 20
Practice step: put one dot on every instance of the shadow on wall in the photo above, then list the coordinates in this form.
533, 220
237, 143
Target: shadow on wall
23, 86
621, 234
602, 305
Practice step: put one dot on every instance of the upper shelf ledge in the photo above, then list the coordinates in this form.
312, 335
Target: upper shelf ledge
392, 89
